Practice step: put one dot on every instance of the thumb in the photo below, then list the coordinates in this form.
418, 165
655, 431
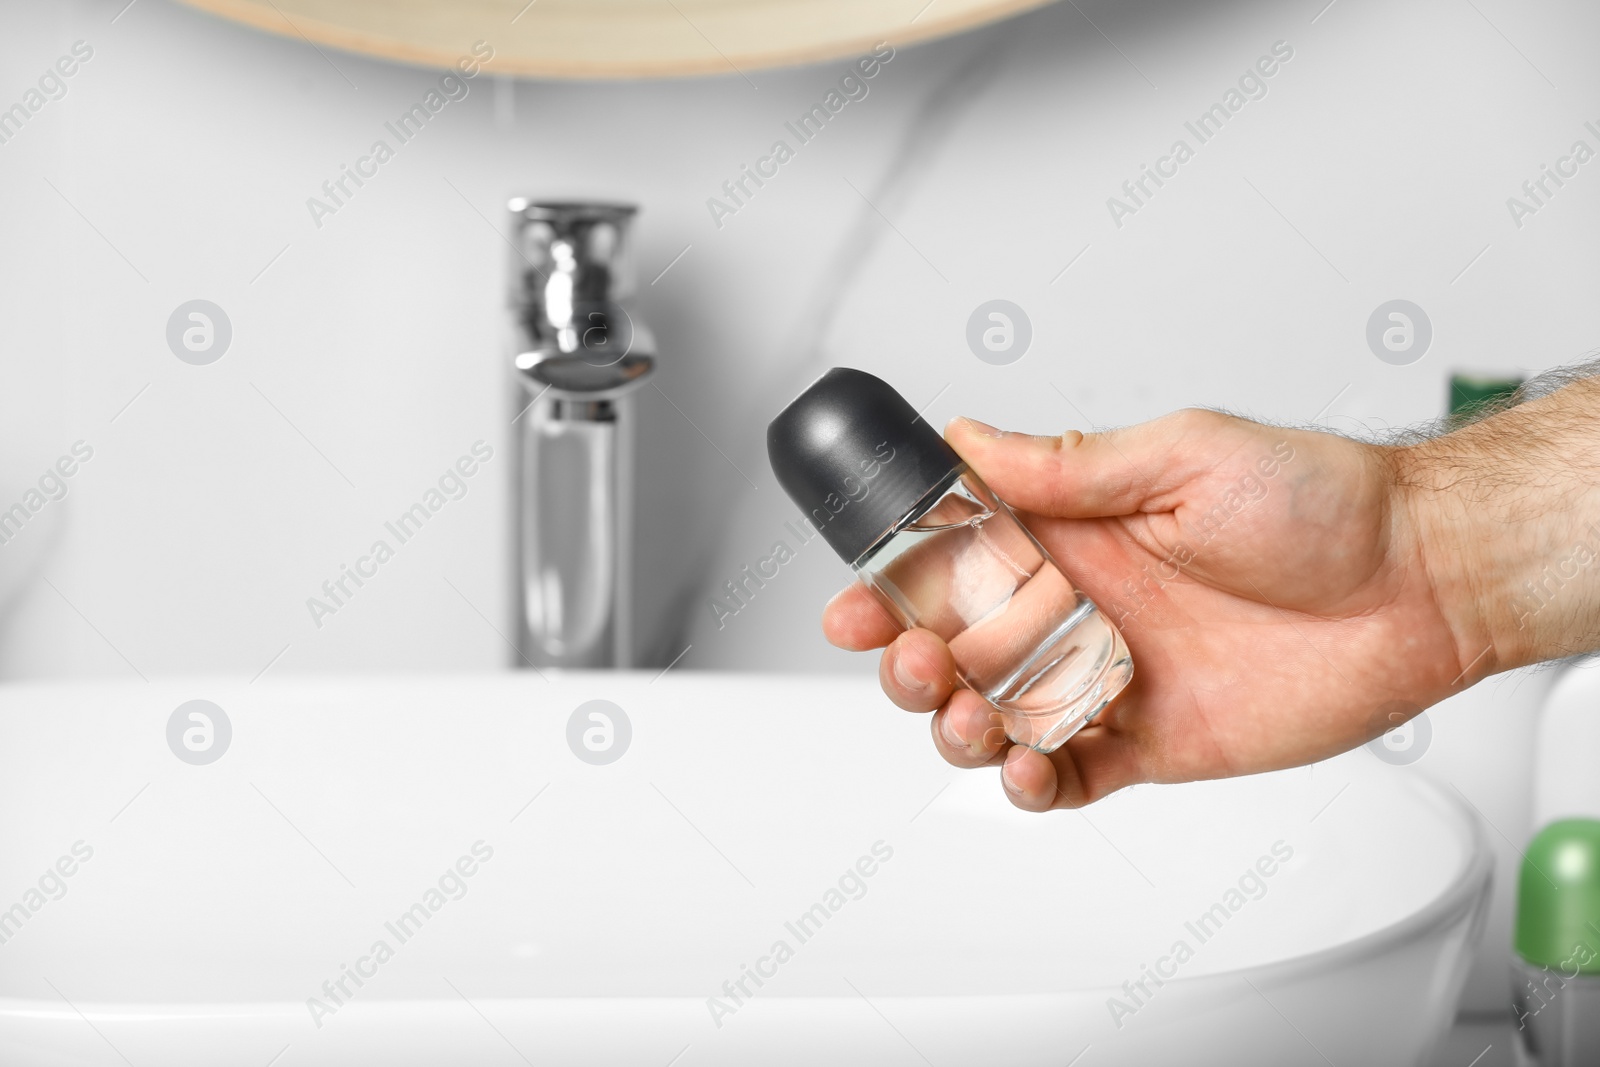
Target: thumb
1078, 475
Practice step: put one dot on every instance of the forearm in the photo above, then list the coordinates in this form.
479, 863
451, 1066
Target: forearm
1506, 513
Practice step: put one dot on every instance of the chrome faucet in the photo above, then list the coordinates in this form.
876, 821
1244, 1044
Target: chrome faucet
578, 353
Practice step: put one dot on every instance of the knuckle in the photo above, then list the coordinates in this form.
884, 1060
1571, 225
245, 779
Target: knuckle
1196, 420
1067, 441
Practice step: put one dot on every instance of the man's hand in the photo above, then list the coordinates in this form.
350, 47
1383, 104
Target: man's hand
1272, 586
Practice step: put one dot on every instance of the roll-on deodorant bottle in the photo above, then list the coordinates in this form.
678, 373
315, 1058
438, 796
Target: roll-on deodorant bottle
941, 552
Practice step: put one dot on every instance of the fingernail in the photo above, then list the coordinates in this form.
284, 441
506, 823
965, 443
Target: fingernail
903, 675
980, 427
1005, 772
947, 728
995, 735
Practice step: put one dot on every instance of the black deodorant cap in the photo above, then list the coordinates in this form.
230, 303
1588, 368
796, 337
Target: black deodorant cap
857, 458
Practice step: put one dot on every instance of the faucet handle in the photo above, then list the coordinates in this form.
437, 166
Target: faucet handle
572, 269
588, 244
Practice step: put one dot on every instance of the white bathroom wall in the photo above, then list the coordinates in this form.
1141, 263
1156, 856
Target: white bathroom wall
366, 353
37, 381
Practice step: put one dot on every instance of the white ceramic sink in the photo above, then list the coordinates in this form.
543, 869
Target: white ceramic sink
219, 898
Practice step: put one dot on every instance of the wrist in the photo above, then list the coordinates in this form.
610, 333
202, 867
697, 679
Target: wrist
1506, 514
1457, 560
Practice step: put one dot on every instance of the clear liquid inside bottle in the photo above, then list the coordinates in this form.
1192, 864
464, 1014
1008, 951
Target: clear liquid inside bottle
1022, 636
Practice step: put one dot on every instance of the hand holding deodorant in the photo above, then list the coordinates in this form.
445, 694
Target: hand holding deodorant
941, 552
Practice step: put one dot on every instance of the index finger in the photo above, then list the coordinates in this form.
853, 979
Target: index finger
854, 620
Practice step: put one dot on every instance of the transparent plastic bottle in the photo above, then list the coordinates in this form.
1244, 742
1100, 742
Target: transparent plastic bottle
942, 552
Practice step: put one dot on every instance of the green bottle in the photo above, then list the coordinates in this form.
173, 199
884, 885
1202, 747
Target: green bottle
1555, 983
1474, 394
